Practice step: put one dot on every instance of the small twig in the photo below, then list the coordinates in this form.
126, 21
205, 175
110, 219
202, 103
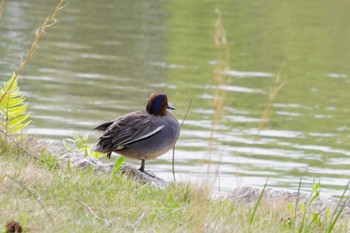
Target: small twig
22, 148
49, 21
26, 151
33, 194
95, 215
138, 220
183, 121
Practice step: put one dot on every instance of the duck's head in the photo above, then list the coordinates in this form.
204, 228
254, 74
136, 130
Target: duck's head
158, 104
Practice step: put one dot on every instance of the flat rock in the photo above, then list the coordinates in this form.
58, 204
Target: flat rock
276, 197
78, 160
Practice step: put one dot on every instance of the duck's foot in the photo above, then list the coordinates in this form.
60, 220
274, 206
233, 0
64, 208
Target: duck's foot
142, 169
150, 174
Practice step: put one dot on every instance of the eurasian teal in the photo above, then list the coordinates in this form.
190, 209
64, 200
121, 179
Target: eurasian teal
142, 135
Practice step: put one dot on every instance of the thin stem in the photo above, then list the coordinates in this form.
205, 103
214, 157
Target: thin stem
183, 121
32, 194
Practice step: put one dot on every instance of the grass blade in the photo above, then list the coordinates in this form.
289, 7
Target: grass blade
117, 164
340, 210
251, 219
297, 202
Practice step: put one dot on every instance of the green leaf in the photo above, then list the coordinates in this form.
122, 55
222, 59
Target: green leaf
89, 170
302, 207
327, 213
2, 178
315, 218
290, 206
17, 128
24, 220
12, 107
117, 164
17, 120
68, 165
18, 110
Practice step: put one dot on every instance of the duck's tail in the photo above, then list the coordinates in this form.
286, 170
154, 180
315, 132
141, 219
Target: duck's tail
104, 126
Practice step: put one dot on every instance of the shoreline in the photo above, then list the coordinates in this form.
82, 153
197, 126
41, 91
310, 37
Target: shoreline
241, 194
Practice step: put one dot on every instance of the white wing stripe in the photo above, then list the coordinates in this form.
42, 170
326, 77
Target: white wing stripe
147, 135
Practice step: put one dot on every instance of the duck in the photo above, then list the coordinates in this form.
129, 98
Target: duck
142, 135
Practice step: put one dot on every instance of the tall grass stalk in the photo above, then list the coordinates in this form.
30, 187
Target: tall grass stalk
276, 87
1, 7
251, 219
223, 57
297, 202
48, 22
339, 209
182, 123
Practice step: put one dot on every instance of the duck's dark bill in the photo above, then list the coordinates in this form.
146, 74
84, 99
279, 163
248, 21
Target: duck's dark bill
170, 107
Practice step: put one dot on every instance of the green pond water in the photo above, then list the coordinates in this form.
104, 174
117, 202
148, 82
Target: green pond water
104, 59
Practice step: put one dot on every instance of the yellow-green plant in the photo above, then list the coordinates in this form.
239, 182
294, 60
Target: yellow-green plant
81, 144
13, 116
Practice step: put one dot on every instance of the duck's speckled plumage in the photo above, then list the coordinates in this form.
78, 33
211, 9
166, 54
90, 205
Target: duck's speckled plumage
142, 135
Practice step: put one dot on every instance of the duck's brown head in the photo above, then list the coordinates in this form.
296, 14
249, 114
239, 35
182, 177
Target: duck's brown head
158, 104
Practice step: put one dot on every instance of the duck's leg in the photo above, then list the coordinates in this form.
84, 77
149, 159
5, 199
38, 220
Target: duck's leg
109, 155
142, 168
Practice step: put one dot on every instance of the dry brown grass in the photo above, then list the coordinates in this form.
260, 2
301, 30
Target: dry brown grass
1, 7
222, 65
38, 33
274, 90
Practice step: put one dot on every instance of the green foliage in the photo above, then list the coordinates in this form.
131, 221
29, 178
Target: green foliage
117, 164
308, 220
50, 161
339, 209
80, 144
12, 107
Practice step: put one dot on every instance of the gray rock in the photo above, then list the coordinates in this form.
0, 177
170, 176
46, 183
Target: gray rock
79, 160
275, 198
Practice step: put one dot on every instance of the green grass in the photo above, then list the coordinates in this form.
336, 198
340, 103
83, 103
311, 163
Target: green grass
44, 199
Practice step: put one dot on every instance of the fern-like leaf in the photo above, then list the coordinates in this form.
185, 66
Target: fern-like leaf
12, 107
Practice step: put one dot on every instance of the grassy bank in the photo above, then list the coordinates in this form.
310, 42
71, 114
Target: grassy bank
43, 199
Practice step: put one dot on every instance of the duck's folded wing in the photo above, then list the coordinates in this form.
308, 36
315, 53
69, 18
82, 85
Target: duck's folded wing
130, 129
103, 126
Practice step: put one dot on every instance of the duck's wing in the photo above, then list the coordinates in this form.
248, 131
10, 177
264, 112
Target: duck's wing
129, 129
103, 126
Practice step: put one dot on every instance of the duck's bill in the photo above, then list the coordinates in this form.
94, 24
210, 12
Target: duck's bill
170, 107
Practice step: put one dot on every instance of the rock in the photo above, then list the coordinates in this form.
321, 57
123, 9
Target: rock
275, 198
79, 160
